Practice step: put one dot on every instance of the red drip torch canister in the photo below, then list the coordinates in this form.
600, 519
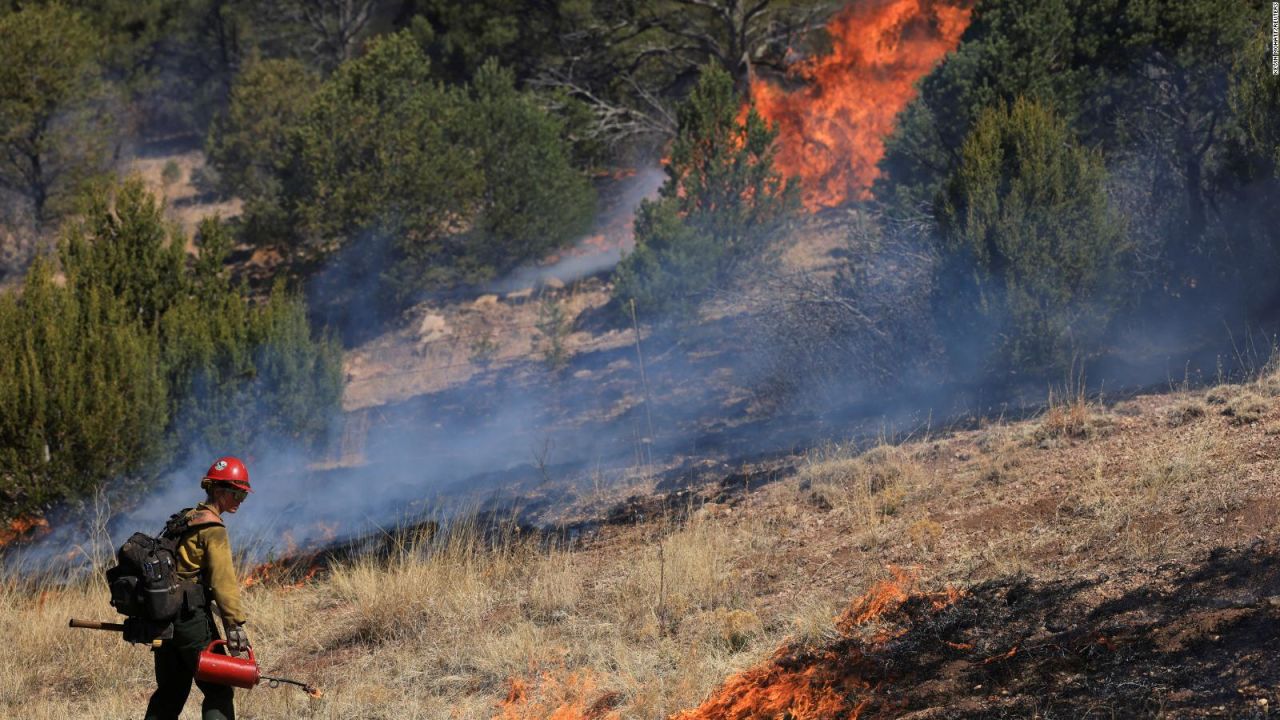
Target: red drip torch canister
226, 670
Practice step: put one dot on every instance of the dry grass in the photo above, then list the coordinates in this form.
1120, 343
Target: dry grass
1183, 413
441, 629
867, 488
1245, 408
1069, 416
648, 619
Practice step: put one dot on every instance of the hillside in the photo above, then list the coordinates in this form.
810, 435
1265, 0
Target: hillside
1113, 558
680, 360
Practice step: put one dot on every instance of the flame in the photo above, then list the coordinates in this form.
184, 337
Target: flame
559, 696
283, 573
832, 130
1002, 656
882, 597
811, 692
837, 682
26, 527
258, 575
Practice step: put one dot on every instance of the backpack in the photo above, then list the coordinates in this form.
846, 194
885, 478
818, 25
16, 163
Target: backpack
144, 583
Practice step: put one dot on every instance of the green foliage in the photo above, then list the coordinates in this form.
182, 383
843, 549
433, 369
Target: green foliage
1143, 80
175, 59
1255, 101
461, 36
721, 202
721, 176
137, 357
1056, 51
249, 143
1032, 249
124, 247
378, 149
379, 166
54, 127
464, 184
533, 198
81, 392
553, 325
170, 174
1250, 215
671, 267
243, 376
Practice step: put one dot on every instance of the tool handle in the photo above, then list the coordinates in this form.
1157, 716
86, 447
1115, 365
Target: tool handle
95, 625
227, 649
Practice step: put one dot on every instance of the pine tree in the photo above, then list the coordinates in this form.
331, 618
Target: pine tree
721, 202
137, 357
1032, 251
54, 126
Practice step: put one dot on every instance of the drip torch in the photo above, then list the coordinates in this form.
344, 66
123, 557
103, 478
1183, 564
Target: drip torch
216, 667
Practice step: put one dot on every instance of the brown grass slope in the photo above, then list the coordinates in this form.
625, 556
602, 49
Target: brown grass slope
1084, 506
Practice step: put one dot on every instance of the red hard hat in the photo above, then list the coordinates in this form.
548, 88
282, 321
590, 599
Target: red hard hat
231, 471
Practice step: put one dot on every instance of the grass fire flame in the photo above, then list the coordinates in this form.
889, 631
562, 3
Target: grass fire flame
559, 696
837, 681
24, 528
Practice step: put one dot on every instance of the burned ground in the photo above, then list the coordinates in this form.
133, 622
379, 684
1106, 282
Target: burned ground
1165, 641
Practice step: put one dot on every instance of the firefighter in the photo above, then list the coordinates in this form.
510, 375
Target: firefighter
204, 564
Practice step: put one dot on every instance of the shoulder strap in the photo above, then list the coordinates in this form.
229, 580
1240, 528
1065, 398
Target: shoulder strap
203, 518
186, 520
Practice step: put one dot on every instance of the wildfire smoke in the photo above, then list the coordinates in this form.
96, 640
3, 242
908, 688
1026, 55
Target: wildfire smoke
832, 129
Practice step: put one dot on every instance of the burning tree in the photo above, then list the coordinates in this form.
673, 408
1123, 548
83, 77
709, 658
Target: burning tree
833, 127
628, 62
721, 201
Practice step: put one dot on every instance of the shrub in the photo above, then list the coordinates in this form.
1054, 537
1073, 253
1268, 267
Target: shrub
1245, 408
554, 325
248, 144
139, 357
82, 394
1184, 413
534, 199
170, 174
469, 182
719, 205
672, 264
1032, 253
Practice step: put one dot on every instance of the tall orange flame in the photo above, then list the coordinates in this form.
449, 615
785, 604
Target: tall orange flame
832, 129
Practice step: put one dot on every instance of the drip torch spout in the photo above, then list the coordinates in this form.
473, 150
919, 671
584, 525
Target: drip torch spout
307, 688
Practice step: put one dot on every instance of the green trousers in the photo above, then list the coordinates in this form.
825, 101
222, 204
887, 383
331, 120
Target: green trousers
176, 667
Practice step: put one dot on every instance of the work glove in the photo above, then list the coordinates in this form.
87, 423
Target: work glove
237, 640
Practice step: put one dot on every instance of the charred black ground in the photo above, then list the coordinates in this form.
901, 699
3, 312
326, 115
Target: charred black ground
1166, 641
